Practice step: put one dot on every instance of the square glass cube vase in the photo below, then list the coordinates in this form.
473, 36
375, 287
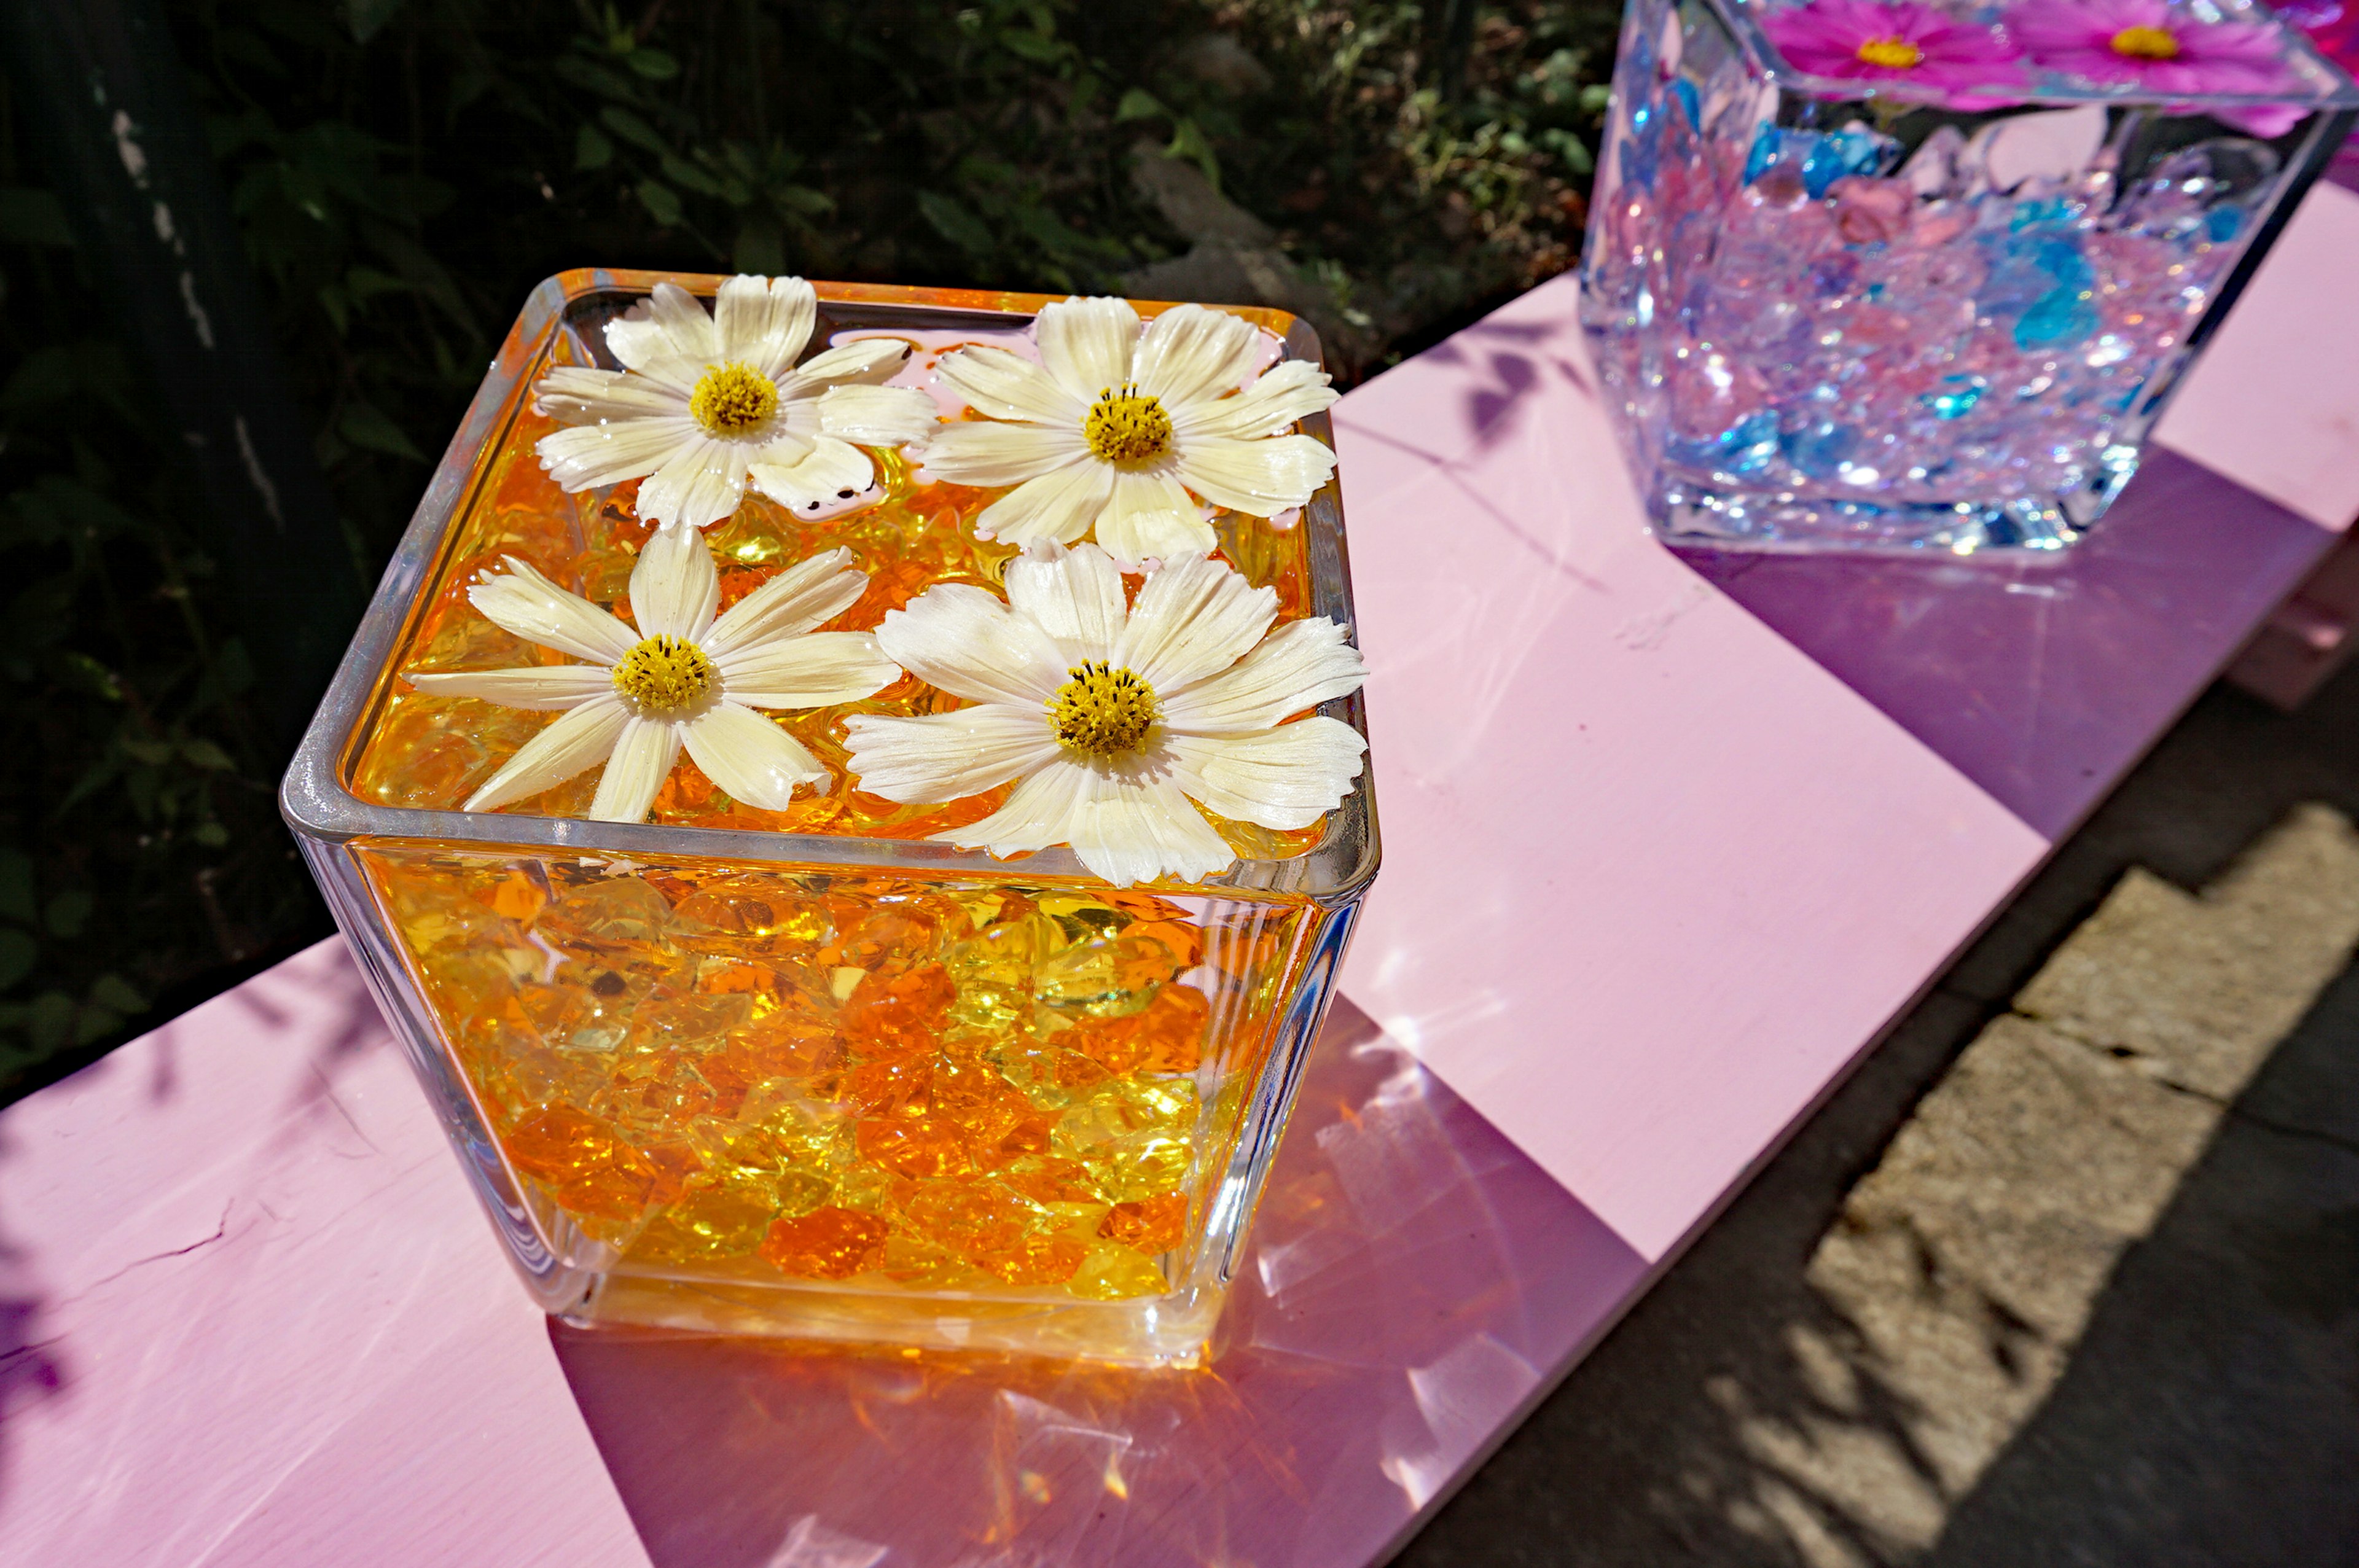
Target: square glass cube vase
1837, 314
816, 1077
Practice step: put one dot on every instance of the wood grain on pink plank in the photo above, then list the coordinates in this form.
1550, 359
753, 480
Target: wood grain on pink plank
1652, 876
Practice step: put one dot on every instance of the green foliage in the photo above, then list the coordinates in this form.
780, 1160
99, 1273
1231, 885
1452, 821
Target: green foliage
404, 171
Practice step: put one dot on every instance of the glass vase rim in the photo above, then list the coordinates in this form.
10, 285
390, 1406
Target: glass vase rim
317, 802
2331, 88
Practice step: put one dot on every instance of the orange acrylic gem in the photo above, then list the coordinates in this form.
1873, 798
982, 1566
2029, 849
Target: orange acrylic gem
1149, 1226
826, 1244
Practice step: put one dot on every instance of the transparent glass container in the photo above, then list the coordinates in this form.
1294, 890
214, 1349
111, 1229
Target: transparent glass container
1899, 321
808, 1073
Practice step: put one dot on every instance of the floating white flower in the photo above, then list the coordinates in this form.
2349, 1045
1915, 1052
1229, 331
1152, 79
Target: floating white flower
1115, 719
679, 679
708, 402
1124, 429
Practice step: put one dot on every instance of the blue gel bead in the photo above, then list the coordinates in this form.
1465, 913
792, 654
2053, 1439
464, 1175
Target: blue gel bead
1822, 167
1747, 446
2222, 222
1684, 90
2058, 318
1763, 156
1820, 449
1956, 397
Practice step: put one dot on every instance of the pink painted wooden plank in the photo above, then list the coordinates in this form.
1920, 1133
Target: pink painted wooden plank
256, 1317
257, 1320
1652, 876
2274, 402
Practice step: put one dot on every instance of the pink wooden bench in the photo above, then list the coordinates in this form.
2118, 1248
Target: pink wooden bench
1669, 843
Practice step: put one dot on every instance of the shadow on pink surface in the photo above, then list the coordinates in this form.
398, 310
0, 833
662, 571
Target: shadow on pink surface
1413, 1282
2039, 681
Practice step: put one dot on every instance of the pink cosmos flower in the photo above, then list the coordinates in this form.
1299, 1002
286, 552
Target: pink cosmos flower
2156, 47
1863, 40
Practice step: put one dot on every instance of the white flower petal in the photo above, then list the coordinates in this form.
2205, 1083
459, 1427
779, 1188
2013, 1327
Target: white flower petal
864, 362
675, 586
821, 474
1190, 353
1300, 665
700, 484
1073, 595
809, 671
1086, 344
963, 640
1135, 825
573, 741
1150, 516
1193, 617
611, 451
580, 396
1258, 477
948, 756
973, 452
1007, 385
750, 758
523, 601
1287, 392
546, 686
668, 325
643, 759
877, 416
1127, 821
764, 322
1060, 504
1040, 813
1284, 778
800, 598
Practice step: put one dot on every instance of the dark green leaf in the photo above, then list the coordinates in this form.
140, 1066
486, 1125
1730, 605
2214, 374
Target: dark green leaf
759, 249
653, 64
49, 1020
370, 430
69, 913
1138, 104
679, 171
112, 990
591, 149
366, 17
16, 886
956, 224
1039, 47
659, 201
596, 78
633, 129
207, 755
17, 954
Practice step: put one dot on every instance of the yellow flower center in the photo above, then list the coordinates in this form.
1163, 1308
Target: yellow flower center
1127, 426
665, 677
1102, 711
2147, 43
731, 399
1892, 54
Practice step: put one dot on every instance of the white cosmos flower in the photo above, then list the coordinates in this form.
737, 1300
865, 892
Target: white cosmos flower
708, 402
679, 679
1115, 719
1124, 429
